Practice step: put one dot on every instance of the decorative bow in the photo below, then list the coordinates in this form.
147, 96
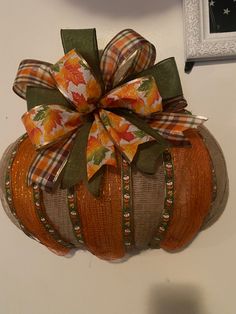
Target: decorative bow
117, 119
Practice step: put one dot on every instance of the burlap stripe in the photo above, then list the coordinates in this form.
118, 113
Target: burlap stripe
57, 210
220, 173
148, 204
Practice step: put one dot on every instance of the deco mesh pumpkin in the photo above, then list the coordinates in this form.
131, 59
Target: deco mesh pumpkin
112, 162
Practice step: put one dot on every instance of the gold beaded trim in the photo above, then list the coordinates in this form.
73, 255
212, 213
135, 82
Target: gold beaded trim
48, 226
74, 214
127, 217
8, 187
169, 200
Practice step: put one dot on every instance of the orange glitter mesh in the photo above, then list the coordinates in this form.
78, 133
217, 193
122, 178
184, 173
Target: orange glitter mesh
23, 197
101, 217
193, 193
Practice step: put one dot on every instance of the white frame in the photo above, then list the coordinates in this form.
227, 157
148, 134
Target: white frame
200, 44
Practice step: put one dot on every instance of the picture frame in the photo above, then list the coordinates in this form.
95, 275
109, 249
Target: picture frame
201, 44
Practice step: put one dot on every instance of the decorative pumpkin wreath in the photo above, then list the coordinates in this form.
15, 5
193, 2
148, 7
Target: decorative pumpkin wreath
111, 161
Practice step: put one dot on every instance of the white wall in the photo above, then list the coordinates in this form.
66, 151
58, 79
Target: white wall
199, 280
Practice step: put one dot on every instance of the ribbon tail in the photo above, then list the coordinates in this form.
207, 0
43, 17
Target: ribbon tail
172, 126
49, 163
100, 148
126, 136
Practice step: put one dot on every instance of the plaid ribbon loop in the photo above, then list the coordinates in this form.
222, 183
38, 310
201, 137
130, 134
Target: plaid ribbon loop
52, 128
127, 53
33, 73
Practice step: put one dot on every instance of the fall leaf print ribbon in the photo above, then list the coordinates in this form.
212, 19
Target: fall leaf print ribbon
47, 124
52, 127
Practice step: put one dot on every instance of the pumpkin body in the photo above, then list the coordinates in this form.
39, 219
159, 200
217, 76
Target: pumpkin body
131, 213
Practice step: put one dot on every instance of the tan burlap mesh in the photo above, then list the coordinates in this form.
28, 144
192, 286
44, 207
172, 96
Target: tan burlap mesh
222, 181
57, 210
148, 201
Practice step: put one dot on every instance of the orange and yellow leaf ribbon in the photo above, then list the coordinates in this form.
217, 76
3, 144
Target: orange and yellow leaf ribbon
50, 123
52, 127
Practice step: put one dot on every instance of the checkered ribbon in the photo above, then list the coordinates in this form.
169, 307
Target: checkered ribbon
172, 125
49, 163
126, 54
33, 73
126, 46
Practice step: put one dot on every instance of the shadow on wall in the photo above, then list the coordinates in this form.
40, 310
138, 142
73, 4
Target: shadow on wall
176, 299
124, 8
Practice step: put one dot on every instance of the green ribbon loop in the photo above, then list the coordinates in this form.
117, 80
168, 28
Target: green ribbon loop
85, 42
166, 76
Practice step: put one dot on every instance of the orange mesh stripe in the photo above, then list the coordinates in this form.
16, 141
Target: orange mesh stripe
193, 193
23, 197
101, 218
